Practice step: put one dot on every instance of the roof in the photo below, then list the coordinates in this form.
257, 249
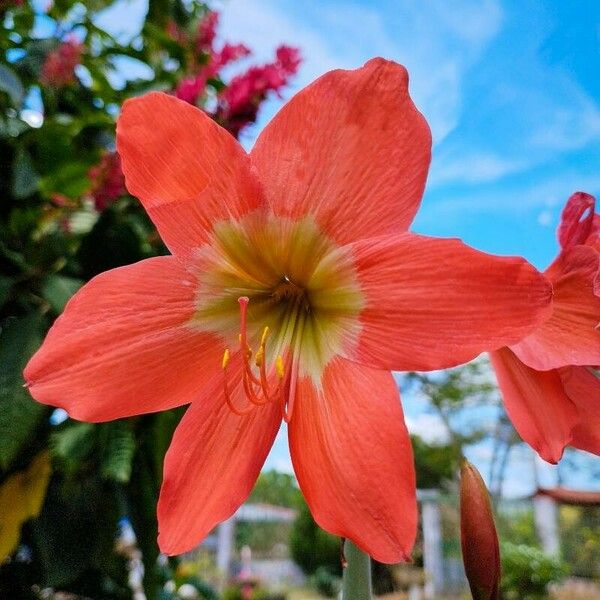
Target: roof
568, 496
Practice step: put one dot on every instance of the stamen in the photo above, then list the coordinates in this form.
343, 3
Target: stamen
228, 399
262, 394
288, 409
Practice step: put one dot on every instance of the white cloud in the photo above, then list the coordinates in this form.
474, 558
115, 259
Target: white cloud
437, 47
474, 168
550, 193
429, 427
569, 126
545, 218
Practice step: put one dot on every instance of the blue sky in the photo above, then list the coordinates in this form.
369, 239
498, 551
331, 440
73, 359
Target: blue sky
511, 90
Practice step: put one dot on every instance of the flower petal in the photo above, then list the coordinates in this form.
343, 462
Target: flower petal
576, 220
187, 170
583, 387
353, 459
123, 345
211, 467
542, 413
434, 303
570, 336
350, 149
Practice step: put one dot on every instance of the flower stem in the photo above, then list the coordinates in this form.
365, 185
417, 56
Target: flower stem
357, 574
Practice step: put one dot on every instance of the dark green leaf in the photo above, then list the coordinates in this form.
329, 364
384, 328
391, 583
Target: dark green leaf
117, 450
25, 177
58, 289
19, 413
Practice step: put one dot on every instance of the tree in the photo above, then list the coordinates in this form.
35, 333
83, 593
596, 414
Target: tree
66, 216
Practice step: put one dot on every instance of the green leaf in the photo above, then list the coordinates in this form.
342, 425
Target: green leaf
11, 84
58, 289
72, 444
118, 449
19, 413
25, 177
6, 284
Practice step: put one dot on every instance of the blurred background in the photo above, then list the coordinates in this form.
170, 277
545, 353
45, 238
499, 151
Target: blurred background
512, 93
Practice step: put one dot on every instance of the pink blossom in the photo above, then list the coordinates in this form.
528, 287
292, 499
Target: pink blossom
190, 88
207, 30
107, 181
240, 100
58, 69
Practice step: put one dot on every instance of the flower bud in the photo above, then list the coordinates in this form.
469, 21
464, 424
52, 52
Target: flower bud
479, 541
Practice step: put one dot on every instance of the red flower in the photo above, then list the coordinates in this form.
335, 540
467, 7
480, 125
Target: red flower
189, 89
478, 537
58, 69
550, 394
300, 250
240, 100
107, 181
207, 31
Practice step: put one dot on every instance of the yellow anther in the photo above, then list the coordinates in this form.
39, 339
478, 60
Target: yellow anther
265, 334
240, 338
279, 367
259, 356
225, 358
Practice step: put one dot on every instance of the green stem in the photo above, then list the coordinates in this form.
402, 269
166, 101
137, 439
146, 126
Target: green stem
357, 574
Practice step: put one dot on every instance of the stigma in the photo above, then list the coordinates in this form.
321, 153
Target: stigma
257, 389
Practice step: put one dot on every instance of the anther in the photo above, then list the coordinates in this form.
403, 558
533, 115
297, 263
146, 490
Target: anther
261, 394
225, 358
279, 367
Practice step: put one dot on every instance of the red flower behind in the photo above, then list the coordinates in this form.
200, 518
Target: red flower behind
301, 250
241, 99
58, 69
107, 181
549, 391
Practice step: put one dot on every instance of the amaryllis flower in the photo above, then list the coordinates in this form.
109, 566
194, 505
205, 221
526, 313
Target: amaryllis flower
550, 393
292, 289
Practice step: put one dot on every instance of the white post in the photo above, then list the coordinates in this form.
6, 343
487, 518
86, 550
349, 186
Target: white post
545, 515
225, 546
433, 559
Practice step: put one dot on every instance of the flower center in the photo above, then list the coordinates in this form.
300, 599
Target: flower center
288, 277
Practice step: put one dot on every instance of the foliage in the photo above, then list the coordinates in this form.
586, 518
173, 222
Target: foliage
235, 592
580, 539
325, 582
311, 547
21, 498
527, 571
66, 216
279, 489
435, 464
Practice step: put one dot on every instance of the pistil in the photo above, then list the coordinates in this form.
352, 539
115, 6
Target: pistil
256, 389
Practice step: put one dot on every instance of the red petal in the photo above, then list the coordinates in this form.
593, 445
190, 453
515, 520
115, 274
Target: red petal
353, 459
211, 467
434, 303
575, 223
583, 387
539, 408
350, 149
571, 335
187, 171
123, 345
